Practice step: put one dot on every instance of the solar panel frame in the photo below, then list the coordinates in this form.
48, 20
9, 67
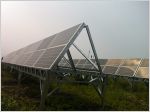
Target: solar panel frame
10, 57
74, 36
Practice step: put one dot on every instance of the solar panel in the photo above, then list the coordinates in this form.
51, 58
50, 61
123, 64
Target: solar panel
143, 72
114, 62
26, 58
64, 36
75, 61
88, 66
110, 69
67, 65
20, 51
145, 63
48, 57
126, 71
82, 61
51, 52
79, 65
131, 62
45, 53
48, 52
122, 67
103, 61
87, 62
44, 44
33, 58
32, 47
10, 57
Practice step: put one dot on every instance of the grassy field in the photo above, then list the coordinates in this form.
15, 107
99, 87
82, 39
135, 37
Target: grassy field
118, 95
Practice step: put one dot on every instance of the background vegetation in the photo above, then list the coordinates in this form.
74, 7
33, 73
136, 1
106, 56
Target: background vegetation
118, 95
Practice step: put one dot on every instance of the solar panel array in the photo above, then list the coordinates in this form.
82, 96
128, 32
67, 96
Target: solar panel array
44, 53
79, 63
121, 67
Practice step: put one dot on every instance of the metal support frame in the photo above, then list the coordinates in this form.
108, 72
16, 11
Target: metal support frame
99, 82
85, 56
41, 86
70, 59
50, 93
66, 60
45, 88
93, 48
103, 78
11, 69
19, 77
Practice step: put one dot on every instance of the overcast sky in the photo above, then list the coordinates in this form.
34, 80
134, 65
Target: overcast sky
119, 29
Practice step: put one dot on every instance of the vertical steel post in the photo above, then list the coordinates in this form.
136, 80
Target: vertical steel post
19, 77
11, 69
41, 86
44, 91
70, 59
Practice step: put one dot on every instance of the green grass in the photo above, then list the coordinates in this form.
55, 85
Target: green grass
118, 95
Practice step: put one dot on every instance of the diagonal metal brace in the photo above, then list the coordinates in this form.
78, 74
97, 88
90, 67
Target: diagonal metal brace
93, 48
70, 59
66, 60
85, 56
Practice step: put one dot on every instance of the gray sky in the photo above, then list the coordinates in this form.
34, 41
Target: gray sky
119, 29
